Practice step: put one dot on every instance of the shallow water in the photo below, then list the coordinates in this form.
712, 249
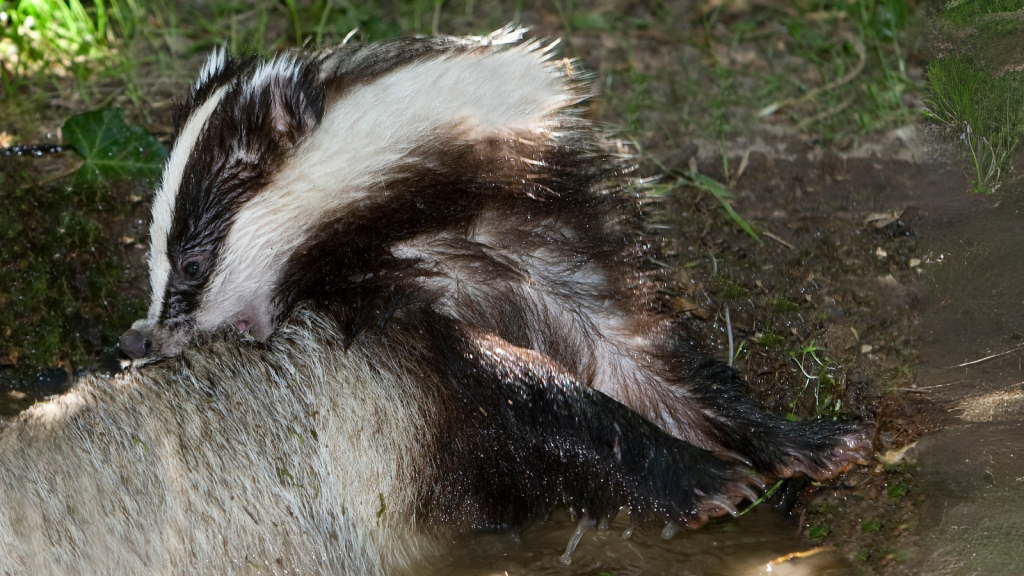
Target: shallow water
739, 547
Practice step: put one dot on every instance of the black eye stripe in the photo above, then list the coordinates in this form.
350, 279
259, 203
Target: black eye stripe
179, 303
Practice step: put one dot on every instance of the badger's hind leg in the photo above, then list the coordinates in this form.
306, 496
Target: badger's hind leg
523, 436
705, 401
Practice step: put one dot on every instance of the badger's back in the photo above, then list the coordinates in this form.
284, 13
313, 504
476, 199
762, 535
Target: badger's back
295, 458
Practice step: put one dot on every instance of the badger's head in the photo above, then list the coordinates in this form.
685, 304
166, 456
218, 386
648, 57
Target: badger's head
234, 130
278, 165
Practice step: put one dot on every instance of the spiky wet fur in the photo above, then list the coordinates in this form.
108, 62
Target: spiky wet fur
445, 177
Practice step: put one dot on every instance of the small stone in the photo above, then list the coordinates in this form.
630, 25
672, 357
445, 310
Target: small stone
880, 253
915, 262
866, 348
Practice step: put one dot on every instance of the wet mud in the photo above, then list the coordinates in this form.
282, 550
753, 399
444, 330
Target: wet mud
972, 466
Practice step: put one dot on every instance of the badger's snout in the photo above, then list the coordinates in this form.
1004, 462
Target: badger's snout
147, 339
135, 345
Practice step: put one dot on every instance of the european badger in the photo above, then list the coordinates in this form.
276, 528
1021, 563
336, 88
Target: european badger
448, 176
302, 456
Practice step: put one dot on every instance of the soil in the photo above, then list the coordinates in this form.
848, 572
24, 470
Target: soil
841, 268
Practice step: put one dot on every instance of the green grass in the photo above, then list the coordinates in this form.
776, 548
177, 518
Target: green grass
963, 12
857, 50
821, 370
52, 37
975, 90
984, 112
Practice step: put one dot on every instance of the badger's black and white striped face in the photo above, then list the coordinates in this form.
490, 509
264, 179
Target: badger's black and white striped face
266, 152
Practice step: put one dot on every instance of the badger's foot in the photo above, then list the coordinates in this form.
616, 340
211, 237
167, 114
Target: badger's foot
727, 495
687, 486
818, 449
705, 402
829, 459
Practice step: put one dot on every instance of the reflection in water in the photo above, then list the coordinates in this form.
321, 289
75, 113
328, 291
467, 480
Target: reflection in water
739, 547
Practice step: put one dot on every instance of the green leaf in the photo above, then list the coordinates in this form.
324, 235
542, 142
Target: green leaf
870, 526
819, 531
723, 195
897, 490
590, 21
111, 148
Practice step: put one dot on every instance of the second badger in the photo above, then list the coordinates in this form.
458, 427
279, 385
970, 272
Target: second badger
450, 178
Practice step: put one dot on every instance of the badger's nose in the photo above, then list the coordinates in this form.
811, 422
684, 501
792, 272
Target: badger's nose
134, 344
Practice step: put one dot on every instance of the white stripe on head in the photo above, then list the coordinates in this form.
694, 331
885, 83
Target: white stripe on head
163, 202
365, 138
283, 66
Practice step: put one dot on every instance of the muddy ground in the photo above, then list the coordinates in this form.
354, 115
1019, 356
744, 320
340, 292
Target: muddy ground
856, 232
841, 269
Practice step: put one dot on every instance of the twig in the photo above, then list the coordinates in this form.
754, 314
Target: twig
825, 114
779, 240
62, 174
862, 54
804, 554
986, 358
728, 325
36, 150
741, 169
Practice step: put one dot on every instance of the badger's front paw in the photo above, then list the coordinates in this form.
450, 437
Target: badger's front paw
690, 485
724, 491
823, 449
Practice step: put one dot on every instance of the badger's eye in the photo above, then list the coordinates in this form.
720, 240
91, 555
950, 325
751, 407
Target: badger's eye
191, 268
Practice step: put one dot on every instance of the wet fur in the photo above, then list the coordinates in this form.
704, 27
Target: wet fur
527, 230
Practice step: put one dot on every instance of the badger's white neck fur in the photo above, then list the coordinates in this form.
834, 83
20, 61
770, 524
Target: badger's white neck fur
269, 153
496, 95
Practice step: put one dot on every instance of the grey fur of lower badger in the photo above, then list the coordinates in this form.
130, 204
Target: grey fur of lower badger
303, 456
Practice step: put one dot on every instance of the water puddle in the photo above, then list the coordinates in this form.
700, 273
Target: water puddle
740, 547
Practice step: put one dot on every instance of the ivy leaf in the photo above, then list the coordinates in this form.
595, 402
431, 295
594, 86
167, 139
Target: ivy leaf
111, 148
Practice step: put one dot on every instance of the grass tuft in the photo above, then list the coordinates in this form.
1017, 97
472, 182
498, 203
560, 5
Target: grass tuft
984, 112
962, 12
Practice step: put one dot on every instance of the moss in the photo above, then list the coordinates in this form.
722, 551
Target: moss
781, 304
771, 340
61, 287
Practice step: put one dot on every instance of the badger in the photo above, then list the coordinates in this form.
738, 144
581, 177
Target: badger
308, 454
445, 178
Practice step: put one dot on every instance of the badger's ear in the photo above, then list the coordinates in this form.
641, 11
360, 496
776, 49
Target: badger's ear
296, 108
286, 91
